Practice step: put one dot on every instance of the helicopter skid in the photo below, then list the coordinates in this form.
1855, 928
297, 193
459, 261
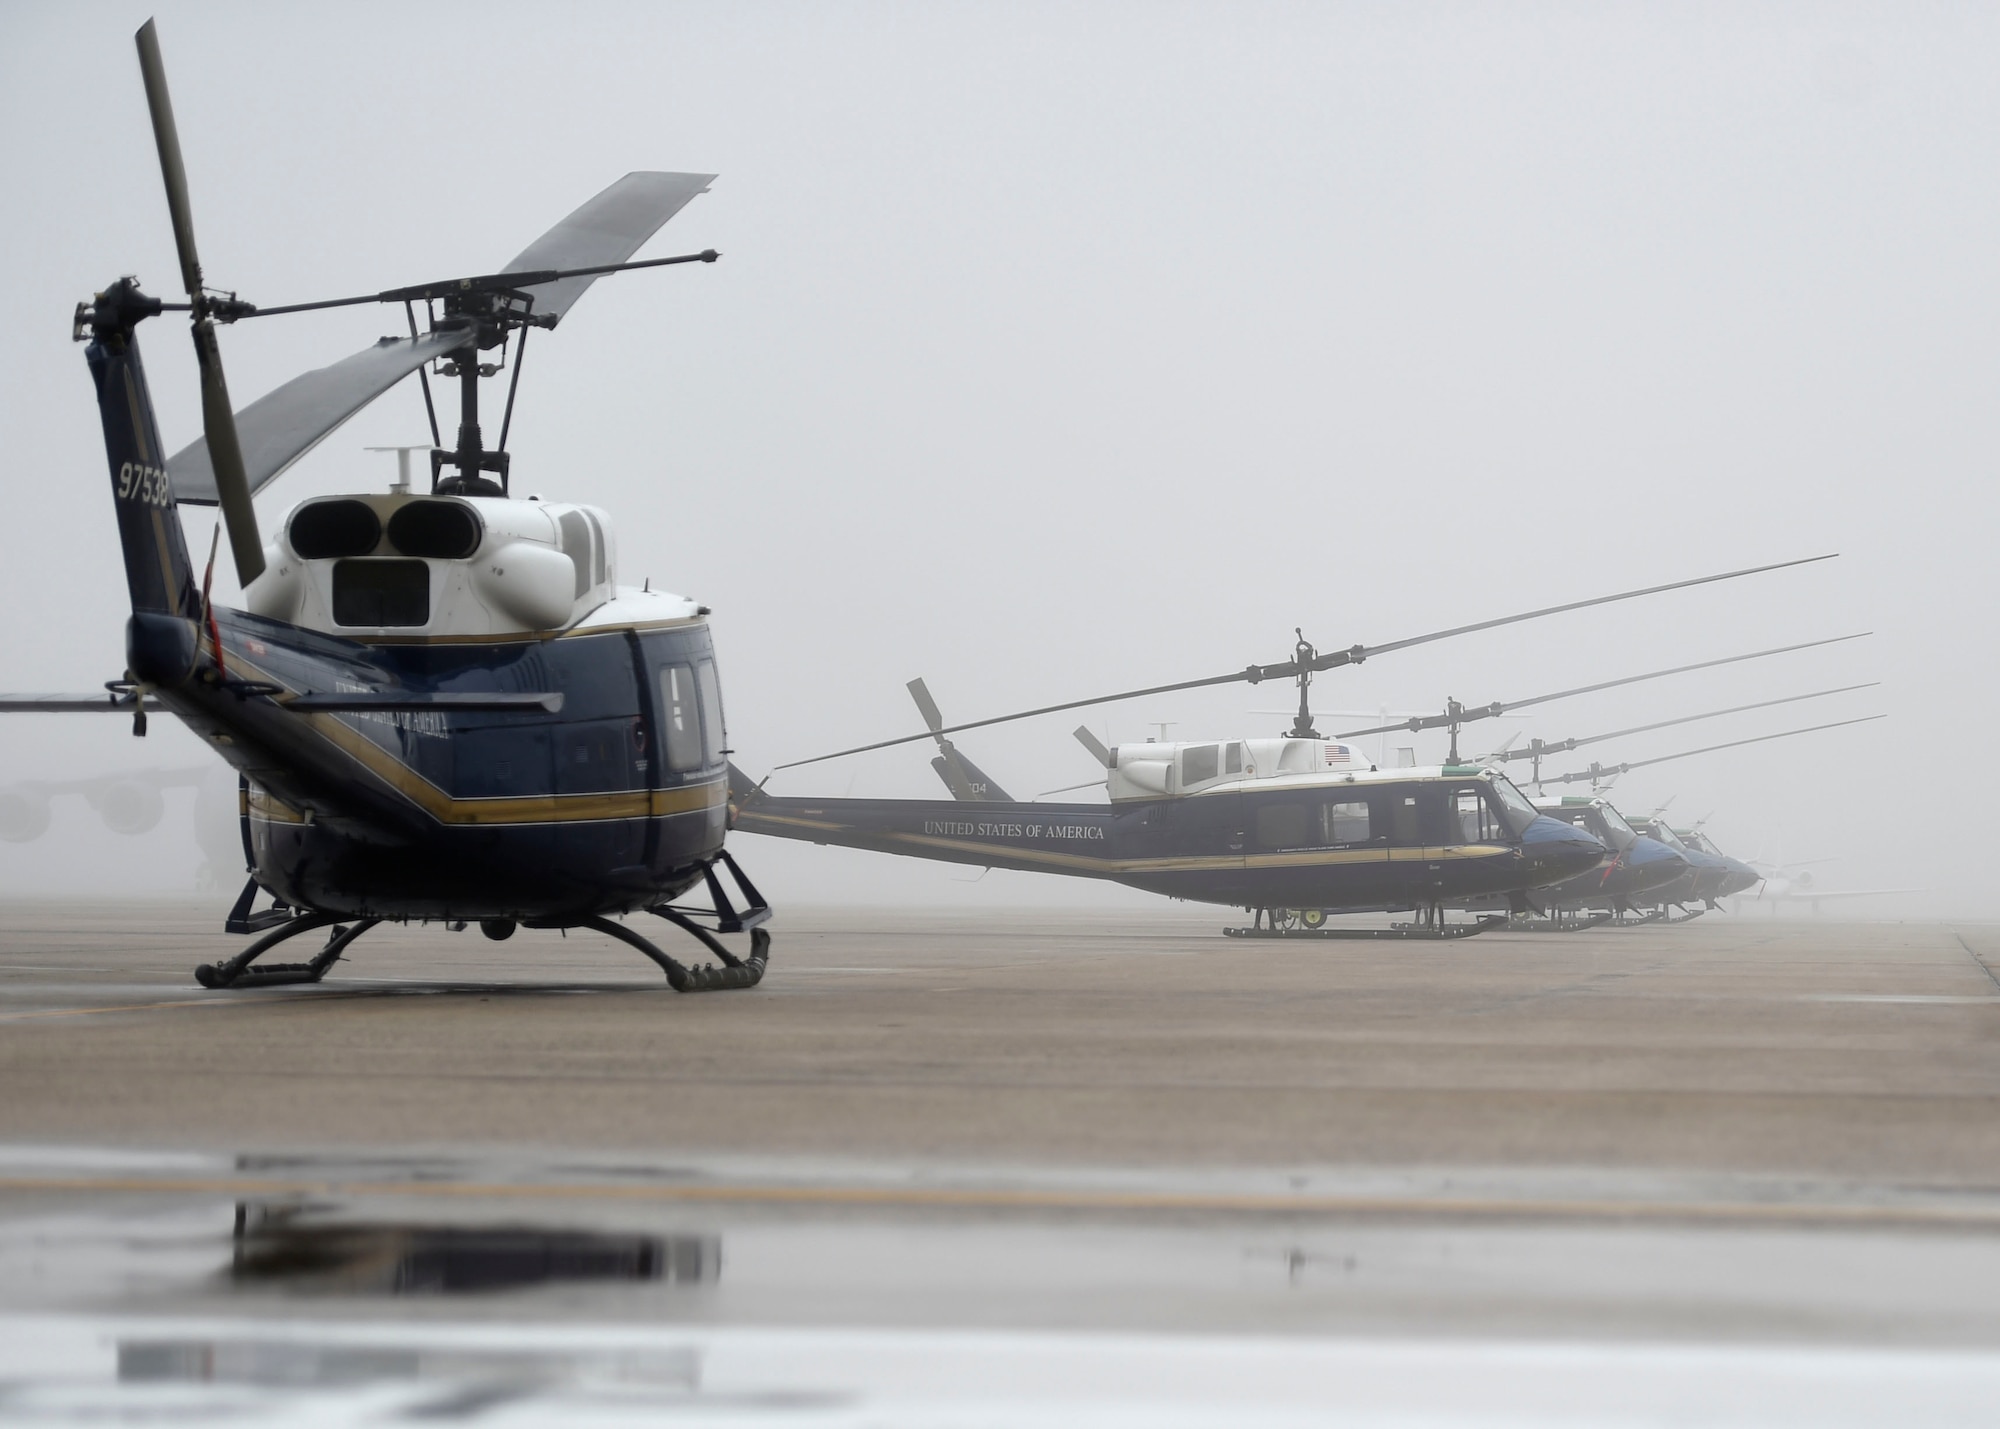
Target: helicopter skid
1401, 933
1557, 925
237, 972
1686, 917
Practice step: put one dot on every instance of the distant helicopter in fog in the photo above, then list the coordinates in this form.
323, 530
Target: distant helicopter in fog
1291, 829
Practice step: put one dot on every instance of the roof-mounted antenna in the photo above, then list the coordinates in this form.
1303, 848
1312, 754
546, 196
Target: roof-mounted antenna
401, 486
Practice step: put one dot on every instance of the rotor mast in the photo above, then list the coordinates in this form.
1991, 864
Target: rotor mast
1303, 655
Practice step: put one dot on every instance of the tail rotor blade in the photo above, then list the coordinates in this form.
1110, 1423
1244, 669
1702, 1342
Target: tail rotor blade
926, 706
218, 418
1092, 743
168, 138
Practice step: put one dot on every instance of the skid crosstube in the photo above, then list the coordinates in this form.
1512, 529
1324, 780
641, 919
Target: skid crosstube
731, 973
1411, 934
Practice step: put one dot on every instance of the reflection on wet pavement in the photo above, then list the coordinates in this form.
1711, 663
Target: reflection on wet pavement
285, 1245
322, 1289
271, 1361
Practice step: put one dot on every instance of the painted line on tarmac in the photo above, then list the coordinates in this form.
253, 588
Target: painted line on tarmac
116, 1007
1823, 1214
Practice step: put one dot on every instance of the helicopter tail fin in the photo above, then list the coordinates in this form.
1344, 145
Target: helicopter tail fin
742, 788
157, 569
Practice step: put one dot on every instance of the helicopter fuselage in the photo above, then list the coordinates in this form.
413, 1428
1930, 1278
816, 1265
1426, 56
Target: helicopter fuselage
457, 814
1349, 841
462, 716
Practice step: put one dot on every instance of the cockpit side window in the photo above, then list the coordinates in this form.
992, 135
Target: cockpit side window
1514, 805
711, 711
682, 718
1200, 763
1474, 820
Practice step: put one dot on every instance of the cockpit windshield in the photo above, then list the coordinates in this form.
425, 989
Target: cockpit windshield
1622, 834
1520, 813
1671, 839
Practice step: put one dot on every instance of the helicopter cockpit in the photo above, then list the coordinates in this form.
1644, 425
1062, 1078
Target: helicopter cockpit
1594, 816
402, 565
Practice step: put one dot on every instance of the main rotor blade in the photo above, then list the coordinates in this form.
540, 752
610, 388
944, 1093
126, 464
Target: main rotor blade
1563, 746
1469, 713
604, 232
1326, 662
1606, 771
558, 267
218, 419
1289, 668
283, 425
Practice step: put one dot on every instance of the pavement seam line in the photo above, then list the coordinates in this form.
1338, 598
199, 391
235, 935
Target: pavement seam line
1991, 977
973, 1198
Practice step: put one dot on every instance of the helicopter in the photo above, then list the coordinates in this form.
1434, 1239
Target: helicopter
441, 705
1296, 822
1647, 869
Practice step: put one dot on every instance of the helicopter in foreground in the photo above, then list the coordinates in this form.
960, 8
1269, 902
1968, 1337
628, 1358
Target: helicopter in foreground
1291, 829
441, 704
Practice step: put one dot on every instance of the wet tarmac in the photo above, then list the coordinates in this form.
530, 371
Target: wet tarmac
1019, 1168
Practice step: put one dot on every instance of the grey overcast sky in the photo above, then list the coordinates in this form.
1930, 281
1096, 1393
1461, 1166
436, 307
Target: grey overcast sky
1066, 347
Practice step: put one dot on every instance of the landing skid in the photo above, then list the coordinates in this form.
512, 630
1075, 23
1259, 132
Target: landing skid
281, 923
1688, 915
1401, 933
1519, 924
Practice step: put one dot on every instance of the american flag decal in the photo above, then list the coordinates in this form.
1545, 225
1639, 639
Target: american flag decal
1337, 754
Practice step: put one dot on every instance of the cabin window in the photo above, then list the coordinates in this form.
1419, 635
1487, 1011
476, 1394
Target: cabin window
1344, 823
1232, 759
1282, 826
1405, 828
682, 717
1477, 822
711, 711
381, 593
1200, 762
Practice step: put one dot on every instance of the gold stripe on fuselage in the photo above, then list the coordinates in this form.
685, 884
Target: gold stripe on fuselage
1200, 863
522, 809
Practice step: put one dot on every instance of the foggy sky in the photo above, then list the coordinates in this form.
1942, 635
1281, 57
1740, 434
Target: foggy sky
1062, 348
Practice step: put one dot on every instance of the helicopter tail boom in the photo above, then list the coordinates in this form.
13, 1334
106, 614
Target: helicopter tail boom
158, 572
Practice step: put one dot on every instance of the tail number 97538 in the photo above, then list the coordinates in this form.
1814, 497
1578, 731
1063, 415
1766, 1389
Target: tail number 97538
144, 484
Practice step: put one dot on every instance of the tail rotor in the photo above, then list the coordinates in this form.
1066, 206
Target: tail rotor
217, 416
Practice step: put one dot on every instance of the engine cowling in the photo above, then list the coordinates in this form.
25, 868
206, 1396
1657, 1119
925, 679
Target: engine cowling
527, 582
